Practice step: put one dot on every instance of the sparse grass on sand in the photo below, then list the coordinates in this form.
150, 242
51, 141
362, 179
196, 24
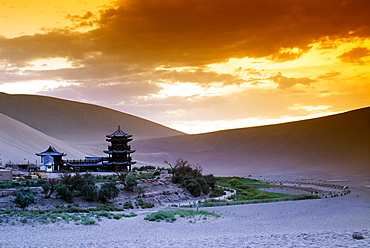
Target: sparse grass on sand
79, 216
170, 216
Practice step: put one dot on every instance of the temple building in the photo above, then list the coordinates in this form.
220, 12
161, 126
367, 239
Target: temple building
51, 160
119, 156
119, 151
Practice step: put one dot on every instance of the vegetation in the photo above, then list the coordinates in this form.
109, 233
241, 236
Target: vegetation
130, 183
191, 178
108, 191
21, 183
143, 204
49, 187
68, 214
170, 216
89, 192
24, 197
64, 192
217, 192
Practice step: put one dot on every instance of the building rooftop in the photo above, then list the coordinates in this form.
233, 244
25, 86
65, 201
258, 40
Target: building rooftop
118, 133
51, 151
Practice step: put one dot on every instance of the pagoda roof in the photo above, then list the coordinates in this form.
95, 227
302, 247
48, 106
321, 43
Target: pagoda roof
118, 133
51, 151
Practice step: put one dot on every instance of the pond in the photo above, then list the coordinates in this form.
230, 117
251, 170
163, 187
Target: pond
283, 190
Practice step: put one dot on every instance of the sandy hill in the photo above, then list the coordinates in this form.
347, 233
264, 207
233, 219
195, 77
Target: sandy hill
336, 146
76, 122
19, 143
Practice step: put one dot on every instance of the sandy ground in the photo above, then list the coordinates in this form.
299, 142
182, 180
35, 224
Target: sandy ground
310, 223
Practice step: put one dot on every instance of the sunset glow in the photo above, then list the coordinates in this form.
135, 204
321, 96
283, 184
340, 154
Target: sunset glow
196, 66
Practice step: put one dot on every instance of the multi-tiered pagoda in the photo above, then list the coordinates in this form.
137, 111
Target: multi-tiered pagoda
119, 151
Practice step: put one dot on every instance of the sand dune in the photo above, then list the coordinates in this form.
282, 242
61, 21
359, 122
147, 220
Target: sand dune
332, 147
19, 143
76, 122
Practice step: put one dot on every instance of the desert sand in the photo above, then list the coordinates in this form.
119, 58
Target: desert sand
327, 222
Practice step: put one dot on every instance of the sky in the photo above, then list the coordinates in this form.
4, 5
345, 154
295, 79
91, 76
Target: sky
192, 65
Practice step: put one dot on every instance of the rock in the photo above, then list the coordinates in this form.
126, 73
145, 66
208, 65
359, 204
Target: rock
357, 235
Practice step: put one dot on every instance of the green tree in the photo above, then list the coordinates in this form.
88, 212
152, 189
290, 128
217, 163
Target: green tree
233, 182
89, 192
24, 197
130, 183
49, 187
108, 191
64, 192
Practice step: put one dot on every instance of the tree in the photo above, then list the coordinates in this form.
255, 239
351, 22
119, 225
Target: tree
130, 183
24, 197
89, 192
108, 191
49, 187
64, 192
233, 182
139, 190
191, 178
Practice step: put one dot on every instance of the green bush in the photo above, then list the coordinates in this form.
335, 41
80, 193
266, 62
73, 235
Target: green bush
217, 192
193, 187
233, 182
24, 197
64, 193
108, 191
170, 216
89, 192
128, 205
130, 183
49, 187
144, 204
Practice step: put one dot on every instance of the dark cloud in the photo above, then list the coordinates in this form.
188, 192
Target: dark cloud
192, 32
329, 75
286, 82
355, 55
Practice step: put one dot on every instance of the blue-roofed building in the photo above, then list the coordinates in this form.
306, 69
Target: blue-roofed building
119, 156
51, 160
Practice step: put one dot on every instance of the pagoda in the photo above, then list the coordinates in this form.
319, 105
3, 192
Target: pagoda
119, 151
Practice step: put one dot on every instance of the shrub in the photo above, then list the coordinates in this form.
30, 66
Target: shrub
156, 173
64, 193
49, 187
233, 182
193, 187
144, 204
169, 216
203, 185
108, 191
128, 205
24, 197
210, 180
130, 183
89, 192
217, 191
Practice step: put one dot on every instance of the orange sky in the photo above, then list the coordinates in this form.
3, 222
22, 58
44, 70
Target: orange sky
196, 66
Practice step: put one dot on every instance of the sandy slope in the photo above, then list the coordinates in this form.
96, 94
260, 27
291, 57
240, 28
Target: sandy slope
333, 147
76, 122
19, 143
310, 223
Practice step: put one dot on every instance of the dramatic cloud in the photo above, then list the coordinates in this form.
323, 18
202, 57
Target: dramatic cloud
356, 55
286, 82
186, 60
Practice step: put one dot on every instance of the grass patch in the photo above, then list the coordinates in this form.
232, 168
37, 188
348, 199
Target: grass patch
79, 216
170, 216
223, 181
